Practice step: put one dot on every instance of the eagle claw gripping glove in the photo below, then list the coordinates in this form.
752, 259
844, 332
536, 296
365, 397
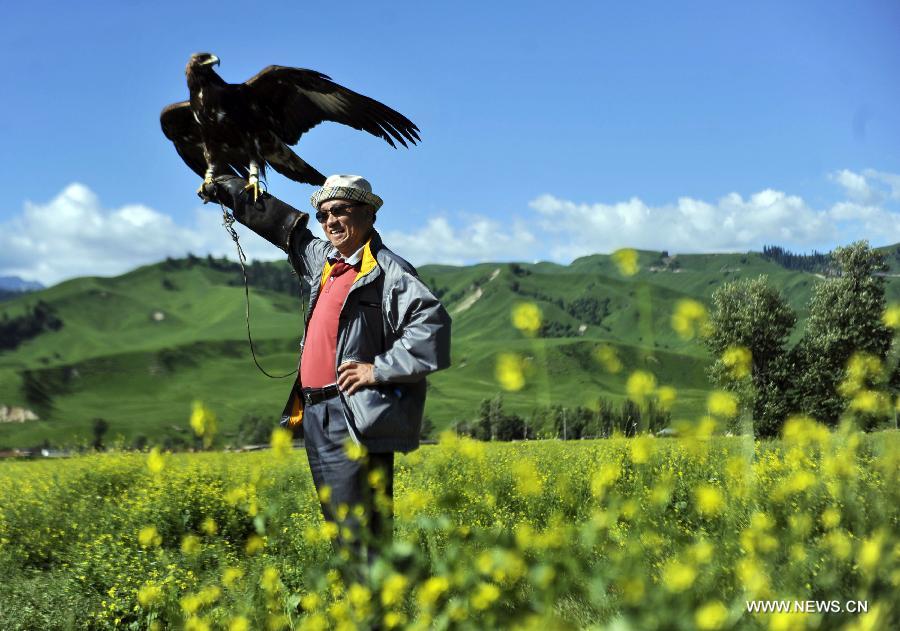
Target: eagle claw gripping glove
268, 216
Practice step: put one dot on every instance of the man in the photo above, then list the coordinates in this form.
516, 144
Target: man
372, 334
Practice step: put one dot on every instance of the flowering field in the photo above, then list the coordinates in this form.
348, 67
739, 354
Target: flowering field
636, 533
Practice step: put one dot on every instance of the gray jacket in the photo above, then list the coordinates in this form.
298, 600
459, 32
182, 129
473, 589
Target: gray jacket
389, 319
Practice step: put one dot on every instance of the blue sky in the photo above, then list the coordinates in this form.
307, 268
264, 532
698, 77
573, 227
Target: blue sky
550, 130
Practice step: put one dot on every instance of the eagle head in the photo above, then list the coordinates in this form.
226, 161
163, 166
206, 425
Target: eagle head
200, 62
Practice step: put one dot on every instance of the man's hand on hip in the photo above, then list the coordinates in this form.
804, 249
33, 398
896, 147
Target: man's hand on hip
353, 376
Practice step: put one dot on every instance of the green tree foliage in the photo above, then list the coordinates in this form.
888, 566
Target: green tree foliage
845, 321
15, 331
845, 318
750, 314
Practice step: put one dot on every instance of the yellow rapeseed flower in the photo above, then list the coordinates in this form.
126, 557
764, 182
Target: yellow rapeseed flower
209, 526
510, 372
393, 589
526, 317
431, 590
239, 623
270, 580
608, 358
196, 624
203, 422
354, 450
282, 442
710, 501
642, 448
722, 404
711, 616
149, 594
626, 260
869, 554
666, 396
690, 319
528, 480
739, 361
190, 545
891, 316
155, 461
485, 595
148, 536
230, 575
678, 576
640, 385
255, 543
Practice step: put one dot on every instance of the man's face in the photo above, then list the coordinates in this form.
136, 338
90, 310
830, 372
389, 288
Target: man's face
347, 225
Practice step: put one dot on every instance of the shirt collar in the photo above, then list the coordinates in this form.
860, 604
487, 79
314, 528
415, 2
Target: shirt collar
353, 259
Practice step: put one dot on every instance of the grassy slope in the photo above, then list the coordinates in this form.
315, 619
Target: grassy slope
113, 360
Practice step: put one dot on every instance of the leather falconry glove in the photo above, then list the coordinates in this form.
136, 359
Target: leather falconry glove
268, 216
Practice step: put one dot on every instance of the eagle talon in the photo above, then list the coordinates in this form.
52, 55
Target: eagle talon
201, 191
253, 184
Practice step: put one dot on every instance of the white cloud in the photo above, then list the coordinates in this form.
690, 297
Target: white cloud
856, 186
689, 225
73, 235
478, 239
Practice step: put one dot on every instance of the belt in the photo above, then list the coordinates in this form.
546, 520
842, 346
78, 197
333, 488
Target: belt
311, 396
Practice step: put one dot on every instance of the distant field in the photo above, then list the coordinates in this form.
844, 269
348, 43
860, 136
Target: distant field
624, 533
137, 349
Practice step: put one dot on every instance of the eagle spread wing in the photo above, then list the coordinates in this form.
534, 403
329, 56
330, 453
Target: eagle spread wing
296, 100
180, 126
240, 128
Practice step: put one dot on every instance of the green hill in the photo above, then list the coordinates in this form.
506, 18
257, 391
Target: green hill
137, 349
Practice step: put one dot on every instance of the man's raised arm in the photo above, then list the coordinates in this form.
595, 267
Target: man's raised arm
277, 222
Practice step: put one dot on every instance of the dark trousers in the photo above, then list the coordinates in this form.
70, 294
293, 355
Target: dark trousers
344, 484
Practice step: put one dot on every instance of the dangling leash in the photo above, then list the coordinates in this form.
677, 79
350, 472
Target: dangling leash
228, 222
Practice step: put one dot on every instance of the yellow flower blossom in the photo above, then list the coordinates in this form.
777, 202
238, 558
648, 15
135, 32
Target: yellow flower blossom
722, 404
230, 575
891, 316
510, 371
710, 501
431, 590
203, 422
155, 461
149, 594
608, 358
239, 623
626, 260
711, 616
354, 450
666, 396
270, 580
526, 317
393, 589
282, 442
148, 537
678, 576
255, 543
642, 448
485, 595
640, 385
690, 319
190, 545
739, 361
209, 526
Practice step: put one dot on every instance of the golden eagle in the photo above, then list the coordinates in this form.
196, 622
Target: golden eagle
238, 128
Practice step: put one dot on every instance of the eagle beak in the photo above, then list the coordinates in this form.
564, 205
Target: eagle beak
212, 61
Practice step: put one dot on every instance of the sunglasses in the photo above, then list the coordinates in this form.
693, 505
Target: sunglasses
337, 211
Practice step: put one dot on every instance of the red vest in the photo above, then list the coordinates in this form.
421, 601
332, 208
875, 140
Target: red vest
317, 367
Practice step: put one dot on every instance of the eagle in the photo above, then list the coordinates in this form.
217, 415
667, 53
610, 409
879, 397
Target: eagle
227, 128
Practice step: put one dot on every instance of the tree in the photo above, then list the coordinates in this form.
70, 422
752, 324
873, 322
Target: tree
99, 428
750, 315
844, 319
